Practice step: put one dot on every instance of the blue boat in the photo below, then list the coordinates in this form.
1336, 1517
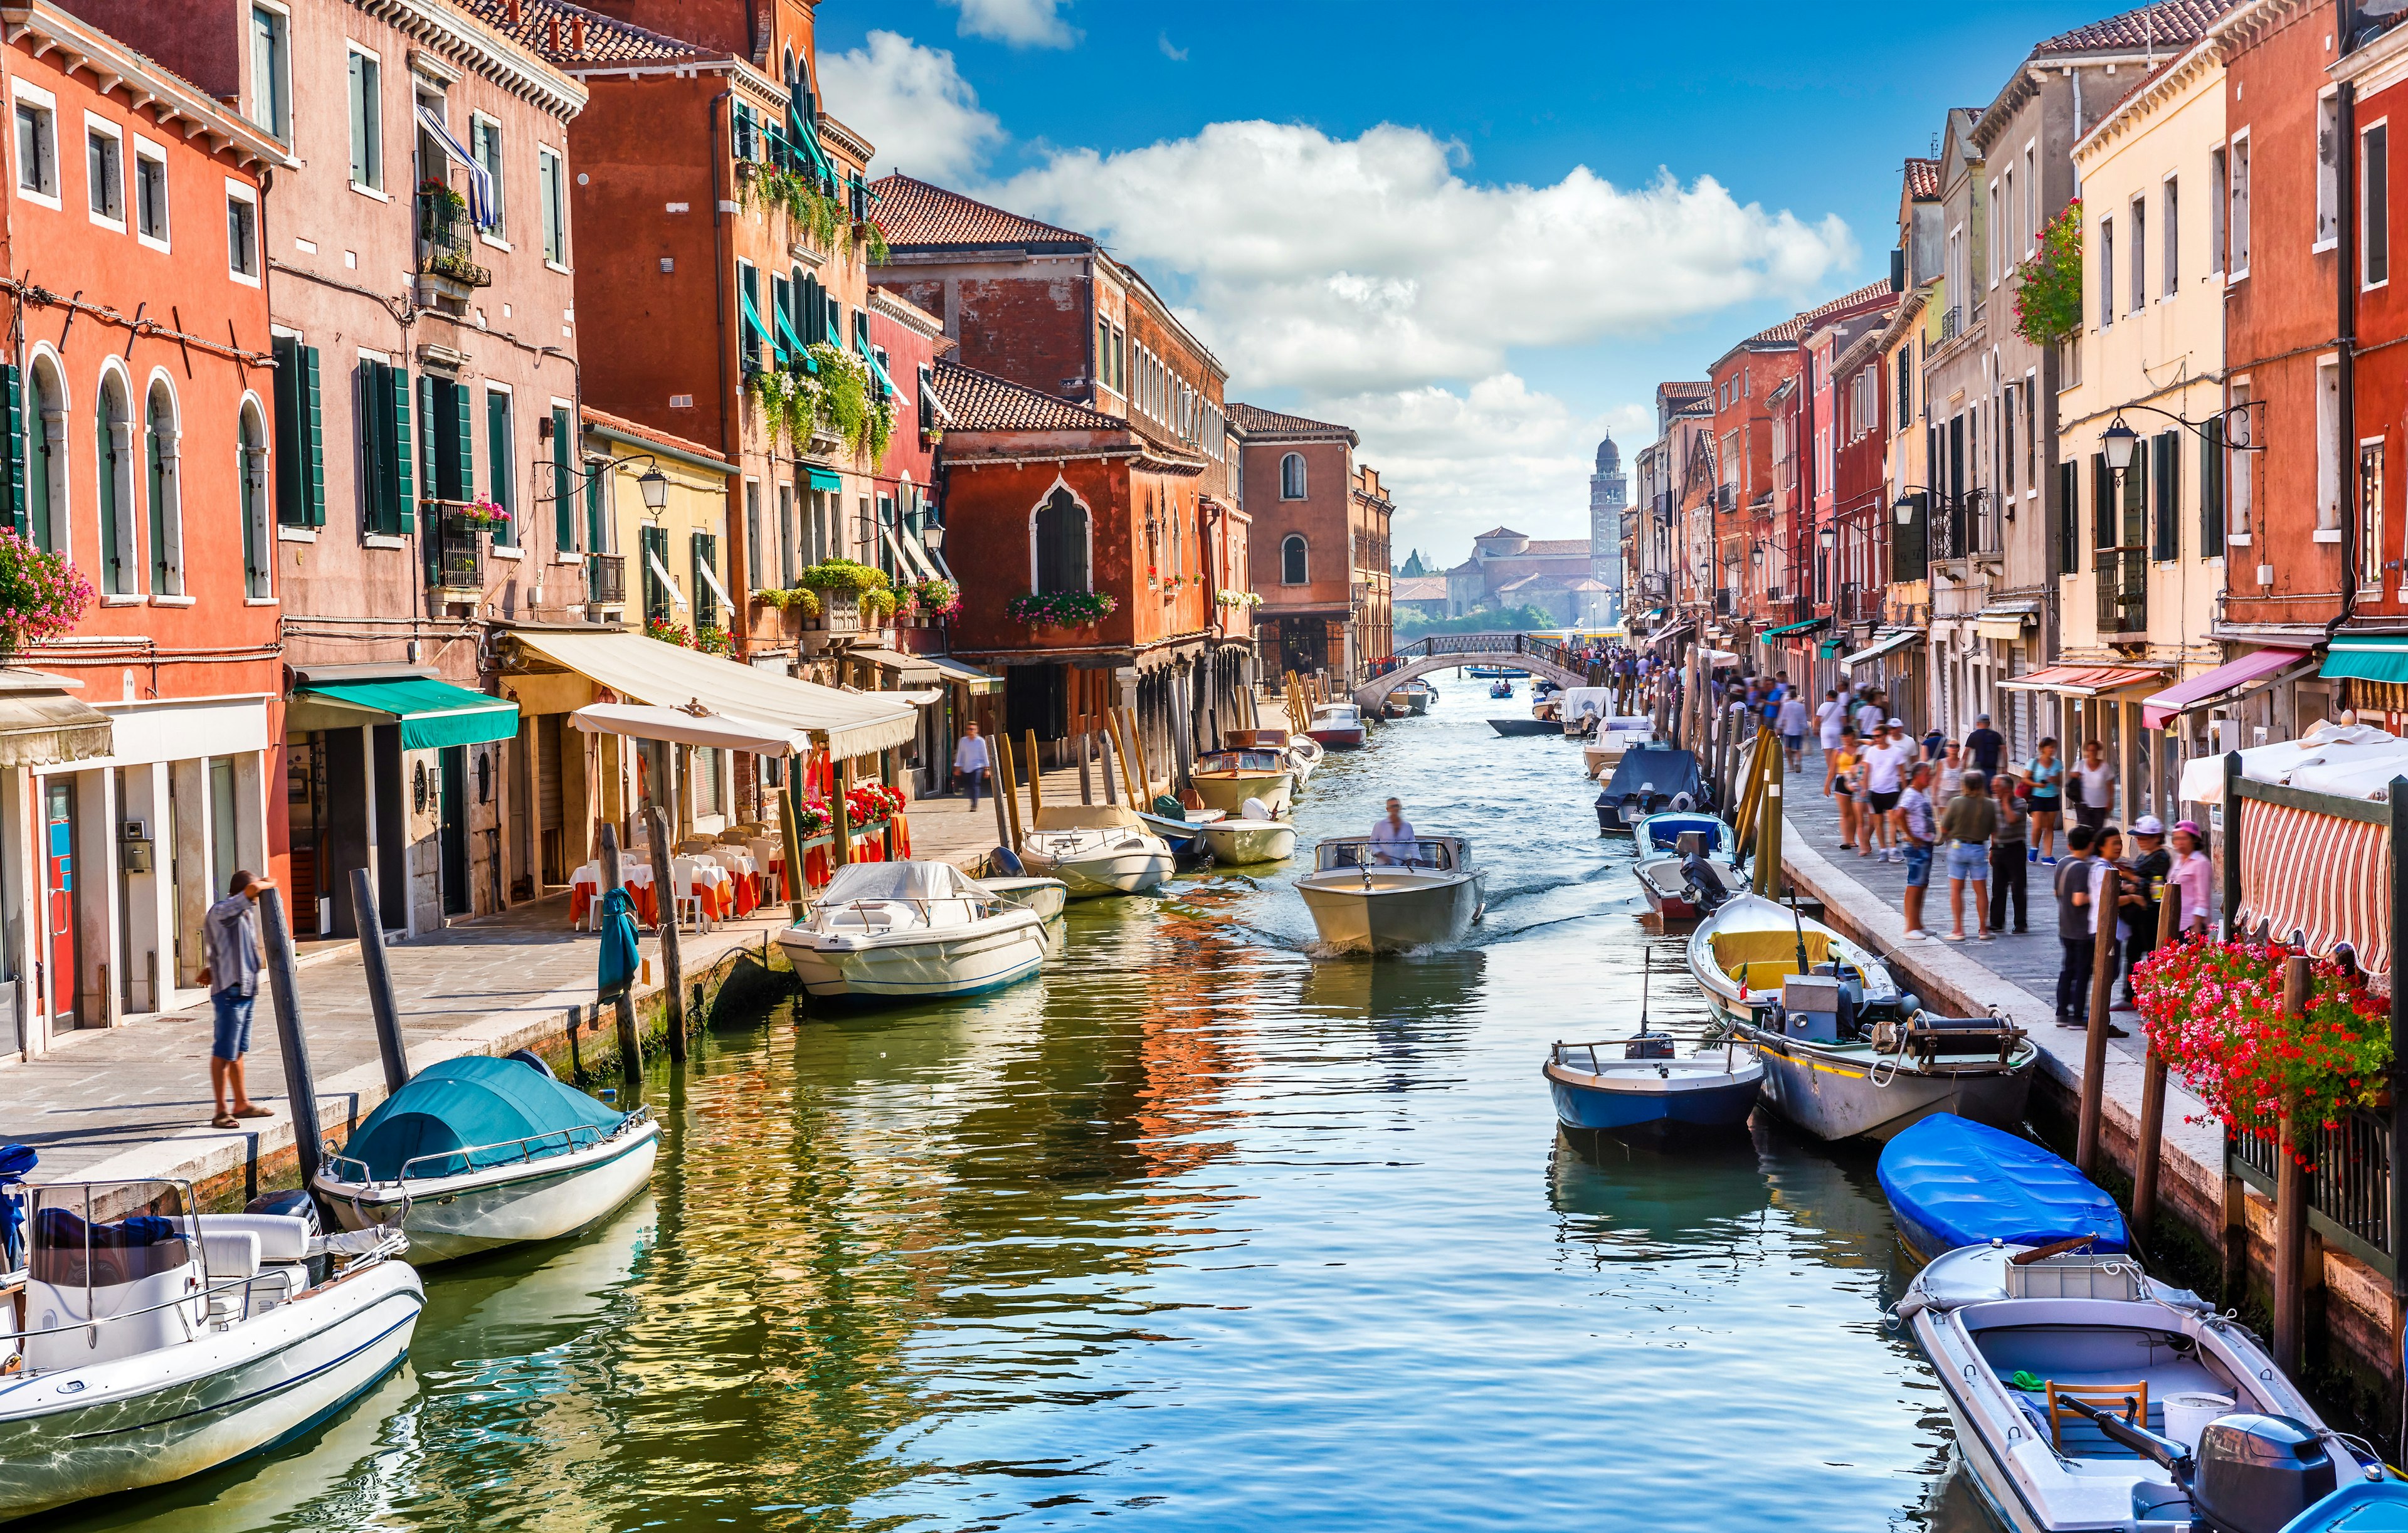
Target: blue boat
1637, 1087
2367, 1506
1662, 832
1953, 1182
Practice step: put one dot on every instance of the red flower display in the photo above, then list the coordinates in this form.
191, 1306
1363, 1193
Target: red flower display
872, 802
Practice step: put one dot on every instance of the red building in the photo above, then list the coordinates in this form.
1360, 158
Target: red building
140, 391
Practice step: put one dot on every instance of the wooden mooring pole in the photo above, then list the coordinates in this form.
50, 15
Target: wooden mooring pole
300, 1081
2291, 1202
622, 1006
2149, 1156
656, 831
2103, 900
379, 977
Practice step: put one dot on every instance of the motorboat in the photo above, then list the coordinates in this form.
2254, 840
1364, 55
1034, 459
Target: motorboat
2088, 1395
476, 1153
1580, 710
1306, 755
1614, 735
1846, 1053
1640, 1087
2362, 1506
1500, 688
1388, 895
1650, 779
1182, 829
1684, 866
1516, 728
1338, 726
1418, 696
1953, 1182
1230, 780
154, 1342
1252, 836
1046, 896
1497, 673
910, 929
1096, 850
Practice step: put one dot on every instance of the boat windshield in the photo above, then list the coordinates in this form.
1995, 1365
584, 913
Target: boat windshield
1241, 761
104, 1234
1333, 855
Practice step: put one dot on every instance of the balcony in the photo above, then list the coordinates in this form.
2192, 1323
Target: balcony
1860, 602
1968, 528
2123, 582
455, 565
606, 579
1952, 324
448, 273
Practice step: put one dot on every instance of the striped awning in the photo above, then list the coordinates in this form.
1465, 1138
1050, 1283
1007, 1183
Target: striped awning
2320, 875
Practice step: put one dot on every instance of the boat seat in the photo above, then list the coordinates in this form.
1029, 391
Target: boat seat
283, 1237
2078, 1437
229, 1253
1734, 949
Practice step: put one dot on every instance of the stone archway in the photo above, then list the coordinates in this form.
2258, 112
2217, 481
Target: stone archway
1372, 694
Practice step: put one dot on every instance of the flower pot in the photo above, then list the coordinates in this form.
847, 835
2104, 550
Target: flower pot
839, 611
1062, 638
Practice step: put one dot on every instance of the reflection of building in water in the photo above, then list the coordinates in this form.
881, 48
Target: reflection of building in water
1632, 1203
1196, 1042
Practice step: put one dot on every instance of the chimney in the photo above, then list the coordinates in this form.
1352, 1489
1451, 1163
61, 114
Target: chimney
517, 11
552, 33
577, 35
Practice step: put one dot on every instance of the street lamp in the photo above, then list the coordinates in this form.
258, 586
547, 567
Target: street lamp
1905, 509
1828, 537
2118, 441
655, 486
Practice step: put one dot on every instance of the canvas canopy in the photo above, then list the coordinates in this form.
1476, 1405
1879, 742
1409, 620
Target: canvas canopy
2335, 758
646, 670
900, 881
1086, 817
1576, 701
645, 722
472, 1112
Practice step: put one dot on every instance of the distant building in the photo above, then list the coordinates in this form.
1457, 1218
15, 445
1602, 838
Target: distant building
1609, 493
1422, 596
1508, 569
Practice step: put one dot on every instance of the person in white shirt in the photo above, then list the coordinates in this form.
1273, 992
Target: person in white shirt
1830, 717
1392, 831
1885, 764
970, 759
1870, 717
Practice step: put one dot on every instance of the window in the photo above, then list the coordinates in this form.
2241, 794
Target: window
2140, 246
2212, 511
500, 456
1992, 254
564, 489
752, 526
552, 190
2374, 205
1059, 533
2328, 169
1905, 388
150, 195
258, 539
162, 492
1295, 566
46, 458
2369, 514
485, 143
748, 290
2031, 199
2238, 481
2007, 440
103, 163
367, 122
2171, 239
242, 234
381, 408
1292, 477
785, 535
2003, 234
706, 579
113, 429
2106, 273
2327, 445
300, 450
38, 147
2069, 519
271, 71
2236, 233
2219, 187
2165, 481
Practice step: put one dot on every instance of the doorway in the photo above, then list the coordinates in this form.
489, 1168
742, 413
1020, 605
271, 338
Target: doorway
62, 903
453, 808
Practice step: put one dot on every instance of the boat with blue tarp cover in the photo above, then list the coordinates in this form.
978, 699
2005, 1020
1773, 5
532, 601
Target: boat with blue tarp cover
2378, 1506
1952, 1183
476, 1153
1650, 779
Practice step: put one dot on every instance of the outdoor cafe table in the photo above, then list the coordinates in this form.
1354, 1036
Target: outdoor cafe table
586, 889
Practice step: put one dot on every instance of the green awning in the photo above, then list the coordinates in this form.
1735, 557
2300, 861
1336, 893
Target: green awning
1831, 647
432, 713
2368, 657
793, 344
870, 354
824, 479
1809, 624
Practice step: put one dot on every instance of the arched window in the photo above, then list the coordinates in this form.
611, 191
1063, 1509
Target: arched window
1292, 477
113, 420
164, 493
251, 485
46, 458
1295, 569
1060, 530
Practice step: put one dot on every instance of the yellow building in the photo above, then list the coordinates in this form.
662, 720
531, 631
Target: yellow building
2146, 544
656, 515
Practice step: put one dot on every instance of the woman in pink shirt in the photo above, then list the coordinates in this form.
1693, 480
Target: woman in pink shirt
2193, 872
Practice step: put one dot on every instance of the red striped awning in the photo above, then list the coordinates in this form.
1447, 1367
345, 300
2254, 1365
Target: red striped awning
2325, 876
2085, 680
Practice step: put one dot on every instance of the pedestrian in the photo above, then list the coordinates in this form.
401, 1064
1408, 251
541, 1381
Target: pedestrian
2110, 881
1791, 724
1952, 771
2152, 865
1933, 739
1917, 833
1985, 749
2074, 938
1871, 714
1886, 763
1840, 767
970, 759
2007, 854
1835, 738
2047, 774
2094, 781
230, 943
1966, 825
2194, 875
1830, 717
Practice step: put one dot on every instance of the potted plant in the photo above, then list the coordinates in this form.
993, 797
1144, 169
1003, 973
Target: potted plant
712, 639
667, 632
41, 594
482, 516
1065, 615
841, 584
939, 599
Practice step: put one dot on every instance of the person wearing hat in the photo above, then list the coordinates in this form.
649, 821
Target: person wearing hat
2152, 864
2194, 876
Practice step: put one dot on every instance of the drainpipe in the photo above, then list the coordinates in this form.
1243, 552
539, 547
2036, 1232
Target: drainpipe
2345, 325
731, 434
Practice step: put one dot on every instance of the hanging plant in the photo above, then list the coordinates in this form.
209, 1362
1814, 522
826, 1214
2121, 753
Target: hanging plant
813, 819
2048, 299
766, 188
789, 403
879, 600
42, 595
790, 598
667, 632
712, 639
873, 238
939, 599
1238, 599
843, 575
1061, 609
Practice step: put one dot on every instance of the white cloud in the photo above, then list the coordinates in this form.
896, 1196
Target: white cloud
1339, 265
1022, 24
1170, 50
912, 104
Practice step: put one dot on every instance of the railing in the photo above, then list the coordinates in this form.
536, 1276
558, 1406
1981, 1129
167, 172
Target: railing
1725, 599
606, 579
1952, 323
2350, 1187
1966, 529
558, 1141
2123, 582
456, 562
445, 238
1538, 649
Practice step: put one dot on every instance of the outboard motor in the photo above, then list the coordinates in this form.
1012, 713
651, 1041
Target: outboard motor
1648, 1046
2253, 1473
293, 1202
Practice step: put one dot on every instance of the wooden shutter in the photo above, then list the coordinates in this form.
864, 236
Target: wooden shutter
2069, 518
313, 433
2102, 502
405, 488
564, 498
375, 415
2211, 489
288, 475
14, 377
2165, 470
464, 441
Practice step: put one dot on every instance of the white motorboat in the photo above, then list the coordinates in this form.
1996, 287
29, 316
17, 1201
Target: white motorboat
1388, 895
1046, 896
476, 1153
2088, 1395
1305, 755
1228, 781
921, 930
1338, 726
1615, 734
1252, 836
156, 1343
1096, 850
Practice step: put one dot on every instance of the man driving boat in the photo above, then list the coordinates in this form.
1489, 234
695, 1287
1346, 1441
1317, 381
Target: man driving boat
1393, 831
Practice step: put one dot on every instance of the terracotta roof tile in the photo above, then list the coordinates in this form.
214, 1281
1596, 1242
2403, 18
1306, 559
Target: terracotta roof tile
1555, 548
619, 425
1923, 177
1796, 326
1417, 587
569, 36
1254, 421
979, 401
912, 213
2168, 23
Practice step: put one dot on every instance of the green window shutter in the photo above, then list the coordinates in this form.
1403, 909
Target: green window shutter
2211, 489
405, 489
375, 415
287, 352
313, 435
15, 378
2102, 502
2136, 504
2165, 471
2069, 518
501, 462
781, 298
563, 500
463, 431
705, 614
595, 542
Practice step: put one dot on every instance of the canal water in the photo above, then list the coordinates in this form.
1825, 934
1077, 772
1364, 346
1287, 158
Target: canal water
1197, 1231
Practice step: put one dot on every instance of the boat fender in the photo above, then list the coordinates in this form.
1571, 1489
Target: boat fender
533, 1061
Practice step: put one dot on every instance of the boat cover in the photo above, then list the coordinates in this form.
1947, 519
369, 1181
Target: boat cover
1664, 830
898, 880
1653, 769
2364, 1506
1953, 1182
476, 1104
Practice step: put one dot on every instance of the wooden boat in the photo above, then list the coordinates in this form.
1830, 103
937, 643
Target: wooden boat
1614, 735
911, 930
1046, 896
1497, 673
1338, 726
1518, 728
1678, 889
1387, 897
1637, 1088
1847, 1053
1951, 1182
2146, 1411
1096, 850
478, 1152
1230, 780
1254, 836
152, 1343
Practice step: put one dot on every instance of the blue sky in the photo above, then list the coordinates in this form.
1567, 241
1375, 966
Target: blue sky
1455, 238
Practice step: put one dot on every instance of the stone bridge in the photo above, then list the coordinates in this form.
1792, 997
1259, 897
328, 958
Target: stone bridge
1441, 651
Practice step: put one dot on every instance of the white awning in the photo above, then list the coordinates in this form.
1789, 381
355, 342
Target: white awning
646, 721
646, 670
963, 674
481, 180
1889, 643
